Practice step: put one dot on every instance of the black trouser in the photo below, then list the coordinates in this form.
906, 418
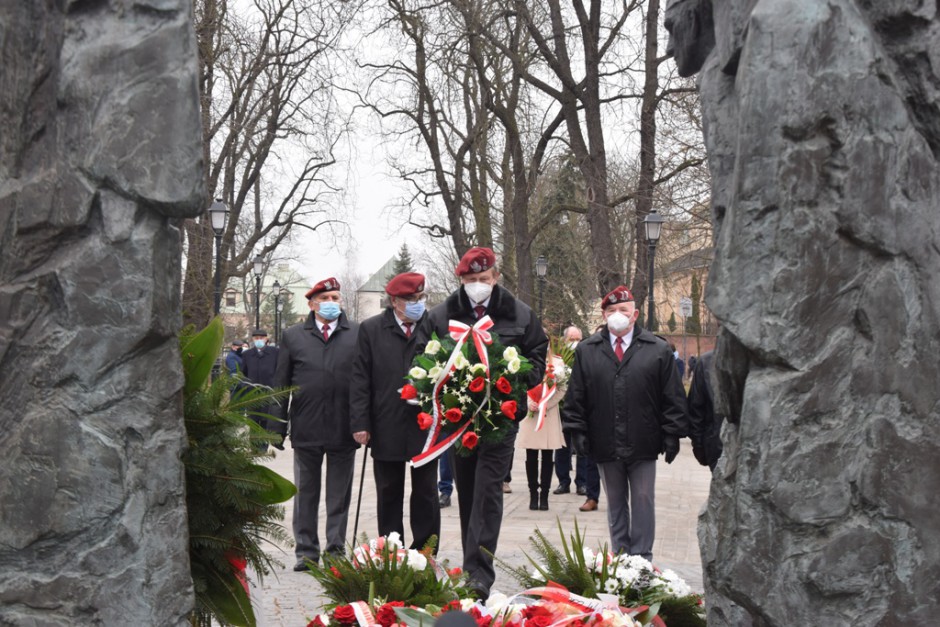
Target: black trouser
479, 479
424, 508
536, 479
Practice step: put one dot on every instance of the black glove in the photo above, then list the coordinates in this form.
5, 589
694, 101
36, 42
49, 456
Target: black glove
670, 447
580, 444
699, 451
279, 444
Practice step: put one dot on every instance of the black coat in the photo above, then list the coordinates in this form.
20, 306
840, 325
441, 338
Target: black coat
319, 409
625, 407
704, 428
384, 358
260, 366
514, 323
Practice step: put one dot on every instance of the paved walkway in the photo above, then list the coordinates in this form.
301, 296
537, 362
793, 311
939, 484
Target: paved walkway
290, 598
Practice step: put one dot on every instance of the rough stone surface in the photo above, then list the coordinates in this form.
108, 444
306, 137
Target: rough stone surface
99, 159
823, 131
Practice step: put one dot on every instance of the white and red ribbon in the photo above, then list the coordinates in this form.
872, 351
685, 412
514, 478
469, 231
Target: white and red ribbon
363, 613
481, 337
547, 393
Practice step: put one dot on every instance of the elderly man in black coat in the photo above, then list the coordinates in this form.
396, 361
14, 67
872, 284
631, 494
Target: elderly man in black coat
316, 356
479, 476
259, 365
624, 406
388, 343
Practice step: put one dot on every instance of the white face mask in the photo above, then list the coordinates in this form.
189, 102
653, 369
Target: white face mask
478, 292
618, 322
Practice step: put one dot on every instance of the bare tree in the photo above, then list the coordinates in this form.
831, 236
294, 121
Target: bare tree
270, 129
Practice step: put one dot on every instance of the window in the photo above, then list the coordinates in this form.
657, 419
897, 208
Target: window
230, 298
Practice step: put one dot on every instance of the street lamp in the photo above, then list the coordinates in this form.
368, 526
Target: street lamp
218, 212
258, 264
654, 225
541, 269
277, 305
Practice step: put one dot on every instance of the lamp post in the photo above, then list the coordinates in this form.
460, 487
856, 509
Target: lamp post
653, 224
258, 264
277, 304
218, 212
541, 269
280, 320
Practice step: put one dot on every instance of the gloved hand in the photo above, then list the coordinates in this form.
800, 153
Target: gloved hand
670, 447
278, 444
580, 443
699, 451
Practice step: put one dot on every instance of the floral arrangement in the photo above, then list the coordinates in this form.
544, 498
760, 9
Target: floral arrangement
382, 569
634, 580
468, 391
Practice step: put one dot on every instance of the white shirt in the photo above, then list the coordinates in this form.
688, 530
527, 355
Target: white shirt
627, 339
330, 325
401, 324
484, 304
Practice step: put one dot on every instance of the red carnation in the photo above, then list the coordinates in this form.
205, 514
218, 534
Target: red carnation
509, 408
336, 573
477, 384
469, 440
453, 414
386, 614
425, 420
455, 572
316, 622
503, 385
345, 614
408, 392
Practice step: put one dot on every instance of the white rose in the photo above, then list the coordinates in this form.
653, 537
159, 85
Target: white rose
477, 368
510, 353
417, 560
461, 362
496, 602
393, 541
432, 347
514, 365
434, 372
417, 373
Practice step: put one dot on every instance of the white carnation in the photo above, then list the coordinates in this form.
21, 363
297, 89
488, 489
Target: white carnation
432, 348
496, 602
417, 373
393, 541
417, 560
510, 353
513, 365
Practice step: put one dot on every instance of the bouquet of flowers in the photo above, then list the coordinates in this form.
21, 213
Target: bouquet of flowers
634, 580
468, 387
382, 569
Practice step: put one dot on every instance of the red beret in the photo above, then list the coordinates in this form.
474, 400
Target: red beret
476, 260
326, 285
405, 284
619, 294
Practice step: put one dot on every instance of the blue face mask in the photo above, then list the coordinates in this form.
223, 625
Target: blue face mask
259, 343
328, 310
414, 311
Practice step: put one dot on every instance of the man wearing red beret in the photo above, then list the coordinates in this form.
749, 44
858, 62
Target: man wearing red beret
624, 406
316, 356
479, 476
388, 343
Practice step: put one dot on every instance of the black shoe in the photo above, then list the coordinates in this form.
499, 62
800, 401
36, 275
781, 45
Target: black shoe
302, 564
562, 489
534, 500
445, 500
582, 491
543, 501
478, 591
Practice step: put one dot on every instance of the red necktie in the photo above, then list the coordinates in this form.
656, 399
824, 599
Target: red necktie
619, 349
326, 332
407, 326
480, 310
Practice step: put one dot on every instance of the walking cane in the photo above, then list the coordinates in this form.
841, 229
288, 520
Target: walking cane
362, 478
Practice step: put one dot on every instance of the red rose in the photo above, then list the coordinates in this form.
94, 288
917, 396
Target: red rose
425, 420
534, 611
477, 384
386, 614
316, 622
455, 572
509, 409
469, 440
336, 573
453, 414
540, 621
408, 392
503, 385
345, 614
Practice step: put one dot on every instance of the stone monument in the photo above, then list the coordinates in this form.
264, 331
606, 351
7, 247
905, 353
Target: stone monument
822, 123
100, 159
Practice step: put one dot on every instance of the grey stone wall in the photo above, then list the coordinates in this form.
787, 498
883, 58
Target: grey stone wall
100, 157
823, 133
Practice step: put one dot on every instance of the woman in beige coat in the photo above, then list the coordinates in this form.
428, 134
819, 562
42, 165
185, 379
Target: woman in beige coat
546, 439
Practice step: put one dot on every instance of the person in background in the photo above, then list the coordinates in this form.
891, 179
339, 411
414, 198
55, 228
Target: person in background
546, 439
625, 405
233, 360
445, 484
388, 343
705, 427
316, 356
260, 365
572, 335
479, 476
680, 365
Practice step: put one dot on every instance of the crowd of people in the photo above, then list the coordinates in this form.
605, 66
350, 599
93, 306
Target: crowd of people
623, 405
